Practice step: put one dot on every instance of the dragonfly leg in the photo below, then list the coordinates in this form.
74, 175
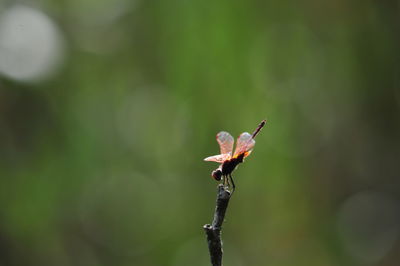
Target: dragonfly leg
233, 183
227, 184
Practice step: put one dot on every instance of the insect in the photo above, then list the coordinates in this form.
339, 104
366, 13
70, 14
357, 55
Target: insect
228, 161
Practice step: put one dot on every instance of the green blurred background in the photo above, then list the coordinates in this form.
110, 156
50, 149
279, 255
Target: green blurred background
107, 109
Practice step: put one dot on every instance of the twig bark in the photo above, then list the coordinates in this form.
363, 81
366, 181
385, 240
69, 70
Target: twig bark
213, 231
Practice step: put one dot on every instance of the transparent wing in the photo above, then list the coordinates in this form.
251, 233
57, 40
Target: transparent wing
220, 158
225, 141
244, 144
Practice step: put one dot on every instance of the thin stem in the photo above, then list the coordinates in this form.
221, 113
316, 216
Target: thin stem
213, 231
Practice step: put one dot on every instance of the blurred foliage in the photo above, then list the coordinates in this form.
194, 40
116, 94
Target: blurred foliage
101, 160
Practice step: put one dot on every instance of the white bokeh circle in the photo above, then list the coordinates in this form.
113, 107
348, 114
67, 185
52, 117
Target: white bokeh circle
31, 45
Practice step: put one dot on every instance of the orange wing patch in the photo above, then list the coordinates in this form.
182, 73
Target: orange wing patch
244, 144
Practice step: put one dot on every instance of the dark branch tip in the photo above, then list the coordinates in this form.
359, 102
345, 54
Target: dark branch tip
223, 192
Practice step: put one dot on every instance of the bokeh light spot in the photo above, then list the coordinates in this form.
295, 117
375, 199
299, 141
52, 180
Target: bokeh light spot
368, 225
31, 46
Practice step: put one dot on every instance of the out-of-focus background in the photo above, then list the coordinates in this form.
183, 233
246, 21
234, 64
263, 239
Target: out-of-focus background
107, 109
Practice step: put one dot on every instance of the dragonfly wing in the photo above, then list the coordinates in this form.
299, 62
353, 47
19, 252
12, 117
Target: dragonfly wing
220, 158
244, 144
225, 141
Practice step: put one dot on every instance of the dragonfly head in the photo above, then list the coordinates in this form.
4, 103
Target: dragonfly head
216, 174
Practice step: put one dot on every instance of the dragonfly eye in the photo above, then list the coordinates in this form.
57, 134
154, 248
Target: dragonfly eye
216, 174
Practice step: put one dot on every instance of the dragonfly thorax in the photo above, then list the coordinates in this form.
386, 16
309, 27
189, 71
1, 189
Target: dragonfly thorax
229, 165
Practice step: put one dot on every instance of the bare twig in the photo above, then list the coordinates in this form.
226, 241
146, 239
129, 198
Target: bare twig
213, 231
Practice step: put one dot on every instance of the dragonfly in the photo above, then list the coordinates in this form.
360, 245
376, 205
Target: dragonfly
229, 161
